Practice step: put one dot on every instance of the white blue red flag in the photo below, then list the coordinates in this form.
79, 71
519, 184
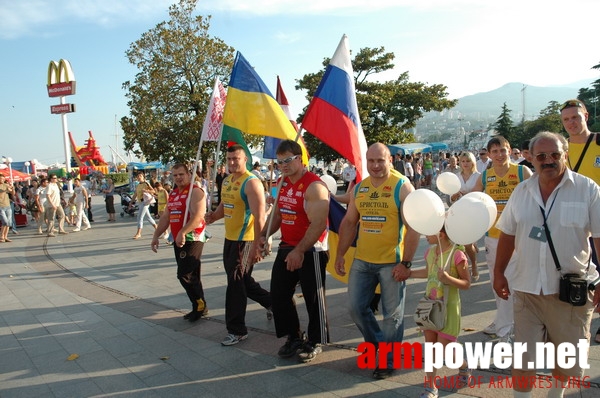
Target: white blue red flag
332, 115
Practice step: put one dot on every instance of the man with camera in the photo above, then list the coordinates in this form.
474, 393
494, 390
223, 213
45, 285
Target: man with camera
547, 222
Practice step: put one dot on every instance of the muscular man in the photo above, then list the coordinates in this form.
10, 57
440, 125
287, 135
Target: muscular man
377, 206
243, 207
301, 213
188, 234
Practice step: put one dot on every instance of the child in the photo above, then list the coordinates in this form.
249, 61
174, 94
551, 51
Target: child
446, 265
71, 211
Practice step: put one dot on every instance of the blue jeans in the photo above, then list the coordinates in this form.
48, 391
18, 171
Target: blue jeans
364, 278
6, 216
144, 211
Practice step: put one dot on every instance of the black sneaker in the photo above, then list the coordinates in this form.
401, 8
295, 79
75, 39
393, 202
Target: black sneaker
291, 347
309, 352
380, 374
193, 316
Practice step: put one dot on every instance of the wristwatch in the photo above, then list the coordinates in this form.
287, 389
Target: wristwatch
407, 264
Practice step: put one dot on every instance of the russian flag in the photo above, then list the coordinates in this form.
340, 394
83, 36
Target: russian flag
332, 115
252, 109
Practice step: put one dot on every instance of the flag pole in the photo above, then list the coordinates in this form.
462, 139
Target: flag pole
193, 179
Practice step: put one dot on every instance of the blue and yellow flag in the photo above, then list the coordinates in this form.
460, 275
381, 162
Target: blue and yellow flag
251, 107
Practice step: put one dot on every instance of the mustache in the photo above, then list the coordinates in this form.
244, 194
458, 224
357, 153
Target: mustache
549, 166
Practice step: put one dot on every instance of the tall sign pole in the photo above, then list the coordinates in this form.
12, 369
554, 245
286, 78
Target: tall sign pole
61, 82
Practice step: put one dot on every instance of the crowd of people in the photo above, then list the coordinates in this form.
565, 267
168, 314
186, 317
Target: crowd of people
546, 194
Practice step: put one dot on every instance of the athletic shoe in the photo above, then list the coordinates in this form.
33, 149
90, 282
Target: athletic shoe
291, 346
76, 230
233, 339
309, 352
87, 227
189, 314
380, 374
490, 329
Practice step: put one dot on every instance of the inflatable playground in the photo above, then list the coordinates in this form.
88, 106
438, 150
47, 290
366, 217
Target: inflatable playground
85, 159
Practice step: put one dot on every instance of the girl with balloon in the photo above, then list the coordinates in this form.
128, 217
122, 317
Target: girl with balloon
446, 272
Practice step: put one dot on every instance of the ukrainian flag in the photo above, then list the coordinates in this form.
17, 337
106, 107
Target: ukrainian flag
252, 109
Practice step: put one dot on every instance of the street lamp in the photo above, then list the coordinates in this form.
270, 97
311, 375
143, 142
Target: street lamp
27, 164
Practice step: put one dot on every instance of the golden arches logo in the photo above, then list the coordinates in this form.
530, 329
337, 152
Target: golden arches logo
61, 79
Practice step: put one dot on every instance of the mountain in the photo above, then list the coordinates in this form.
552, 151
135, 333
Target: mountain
474, 113
535, 99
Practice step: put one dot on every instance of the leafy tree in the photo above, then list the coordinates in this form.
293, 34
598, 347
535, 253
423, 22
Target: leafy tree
387, 109
178, 62
548, 120
504, 126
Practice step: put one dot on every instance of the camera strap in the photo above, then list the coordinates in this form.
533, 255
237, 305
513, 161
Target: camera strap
549, 237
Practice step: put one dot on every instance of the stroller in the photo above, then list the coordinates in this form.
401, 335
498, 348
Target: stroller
128, 208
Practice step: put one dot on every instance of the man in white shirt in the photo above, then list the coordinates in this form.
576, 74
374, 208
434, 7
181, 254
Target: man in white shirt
554, 208
54, 208
483, 161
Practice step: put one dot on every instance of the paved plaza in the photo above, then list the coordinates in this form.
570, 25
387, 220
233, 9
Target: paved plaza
98, 314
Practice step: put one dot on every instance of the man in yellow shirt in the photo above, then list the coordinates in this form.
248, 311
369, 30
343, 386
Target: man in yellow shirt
376, 205
584, 151
243, 209
499, 181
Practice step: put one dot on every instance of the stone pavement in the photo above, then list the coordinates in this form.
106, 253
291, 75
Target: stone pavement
97, 314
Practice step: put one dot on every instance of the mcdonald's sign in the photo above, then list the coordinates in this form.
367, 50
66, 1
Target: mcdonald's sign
61, 79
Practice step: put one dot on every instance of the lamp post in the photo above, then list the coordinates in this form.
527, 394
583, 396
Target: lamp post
27, 164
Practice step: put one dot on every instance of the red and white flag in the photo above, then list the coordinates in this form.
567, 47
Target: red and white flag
271, 143
213, 123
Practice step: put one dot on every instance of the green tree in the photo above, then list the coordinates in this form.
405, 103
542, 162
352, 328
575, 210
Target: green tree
387, 109
504, 126
548, 120
178, 62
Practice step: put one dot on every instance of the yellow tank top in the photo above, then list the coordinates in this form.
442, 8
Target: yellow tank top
590, 165
380, 229
500, 189
239, 222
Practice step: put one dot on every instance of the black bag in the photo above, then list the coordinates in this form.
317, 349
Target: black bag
573, 290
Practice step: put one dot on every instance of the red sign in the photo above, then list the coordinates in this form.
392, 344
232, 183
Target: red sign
61, 89
62, 108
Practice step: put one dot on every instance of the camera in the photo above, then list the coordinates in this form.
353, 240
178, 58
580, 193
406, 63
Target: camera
573, 290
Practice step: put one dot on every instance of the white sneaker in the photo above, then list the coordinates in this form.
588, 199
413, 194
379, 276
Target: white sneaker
87, 227
76, 230
232, 339
490, 329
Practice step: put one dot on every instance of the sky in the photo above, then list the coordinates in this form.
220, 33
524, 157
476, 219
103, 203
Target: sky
470, 46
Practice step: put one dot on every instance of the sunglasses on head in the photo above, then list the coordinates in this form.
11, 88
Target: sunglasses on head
540, 157
287, 160
572, 104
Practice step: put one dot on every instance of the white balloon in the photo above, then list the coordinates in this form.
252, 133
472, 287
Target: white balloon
448, 183
467, 220
424, 211
330, 182
489, 203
